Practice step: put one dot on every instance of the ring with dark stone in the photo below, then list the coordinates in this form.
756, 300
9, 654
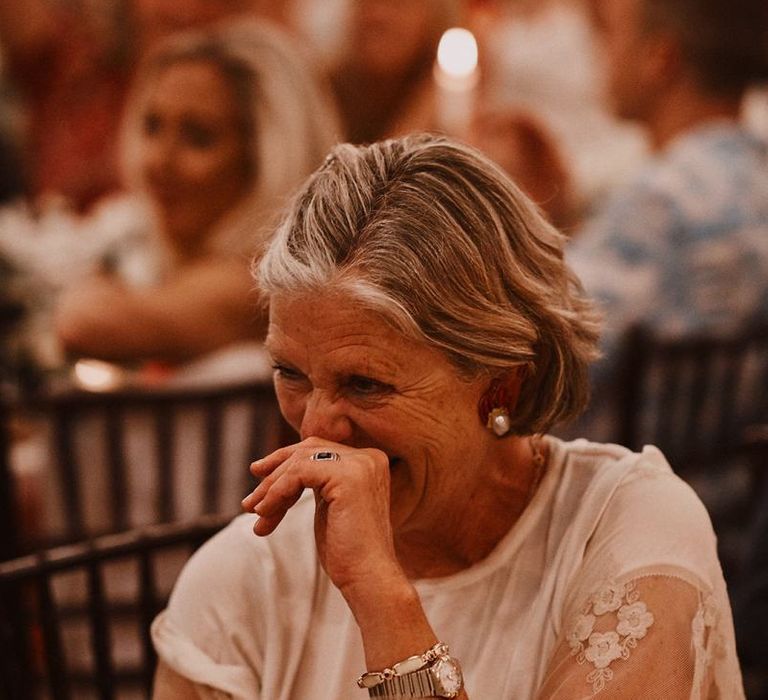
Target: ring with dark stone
325, 456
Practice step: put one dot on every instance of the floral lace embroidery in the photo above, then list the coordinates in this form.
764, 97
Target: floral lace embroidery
703, 623
707, 642
602, 648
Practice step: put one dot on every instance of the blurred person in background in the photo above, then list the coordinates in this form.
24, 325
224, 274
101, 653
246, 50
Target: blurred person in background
518, 140
157, 19
549, 127
383, 82
72, 64
385, 86
223, 125
71, 73
682, 245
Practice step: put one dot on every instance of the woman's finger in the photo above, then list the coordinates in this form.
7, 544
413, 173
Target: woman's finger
253, 498
287, 486
282, 493
263, 466
266, 464
268, 468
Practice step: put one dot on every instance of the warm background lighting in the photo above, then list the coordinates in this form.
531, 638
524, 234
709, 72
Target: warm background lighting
457, 53
94, 375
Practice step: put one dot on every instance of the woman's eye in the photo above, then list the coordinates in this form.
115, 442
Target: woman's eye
286, 372
366, 386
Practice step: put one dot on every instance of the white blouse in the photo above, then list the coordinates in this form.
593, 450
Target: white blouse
608, 585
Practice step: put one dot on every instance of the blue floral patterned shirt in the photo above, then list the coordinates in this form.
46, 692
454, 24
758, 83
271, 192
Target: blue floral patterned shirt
683, 247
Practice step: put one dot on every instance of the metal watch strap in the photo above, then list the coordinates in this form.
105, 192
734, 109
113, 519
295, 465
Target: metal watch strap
413, 663
418, 684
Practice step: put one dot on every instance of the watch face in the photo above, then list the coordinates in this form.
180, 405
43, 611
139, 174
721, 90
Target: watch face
447, 672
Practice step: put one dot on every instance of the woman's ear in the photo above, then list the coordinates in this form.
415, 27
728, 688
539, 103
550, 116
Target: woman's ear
498, 402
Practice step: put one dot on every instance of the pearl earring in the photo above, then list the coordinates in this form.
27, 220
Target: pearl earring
496, 403
498, 421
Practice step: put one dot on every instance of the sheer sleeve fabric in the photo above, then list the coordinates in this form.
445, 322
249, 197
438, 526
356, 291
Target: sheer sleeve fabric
653, 636
646, 614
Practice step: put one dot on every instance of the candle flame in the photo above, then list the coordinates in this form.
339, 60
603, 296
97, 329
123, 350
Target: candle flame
457, 53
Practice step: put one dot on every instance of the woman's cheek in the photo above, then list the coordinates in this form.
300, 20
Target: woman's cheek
292, 404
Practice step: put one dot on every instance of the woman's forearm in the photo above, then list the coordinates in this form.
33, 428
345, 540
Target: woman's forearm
392, 622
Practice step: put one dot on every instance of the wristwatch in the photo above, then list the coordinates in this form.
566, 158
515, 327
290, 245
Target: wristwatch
440, 678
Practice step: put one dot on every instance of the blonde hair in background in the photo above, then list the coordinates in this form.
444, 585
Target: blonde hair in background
434, 236
290, 118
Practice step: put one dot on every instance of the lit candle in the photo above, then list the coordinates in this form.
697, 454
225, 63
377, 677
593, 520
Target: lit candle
456, 76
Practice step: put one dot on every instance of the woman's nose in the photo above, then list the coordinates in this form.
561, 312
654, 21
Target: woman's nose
324, 417
159, 154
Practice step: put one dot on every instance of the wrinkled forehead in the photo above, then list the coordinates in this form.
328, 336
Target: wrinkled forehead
314, 315
332, 330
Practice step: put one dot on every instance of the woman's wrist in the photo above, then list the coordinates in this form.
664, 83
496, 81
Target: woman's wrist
392, 622
378, 595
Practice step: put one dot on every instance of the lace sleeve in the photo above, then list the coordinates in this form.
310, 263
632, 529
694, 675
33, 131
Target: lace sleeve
655, 636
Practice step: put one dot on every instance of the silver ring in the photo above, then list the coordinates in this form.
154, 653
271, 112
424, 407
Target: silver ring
325, 456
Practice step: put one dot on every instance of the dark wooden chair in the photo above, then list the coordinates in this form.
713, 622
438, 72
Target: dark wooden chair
74, 621
698, 399
749, 591
108, 462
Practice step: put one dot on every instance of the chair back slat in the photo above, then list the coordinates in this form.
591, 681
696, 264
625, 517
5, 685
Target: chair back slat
164, 431
734, 362
212, 457
47, 621
17, 663
9, 516
262, 426
148, 608
69, 481
165, 434
694, 396
100, 632
670, 387
118, 489
629, 385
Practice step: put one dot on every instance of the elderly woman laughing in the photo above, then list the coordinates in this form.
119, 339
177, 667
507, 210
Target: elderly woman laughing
426, 334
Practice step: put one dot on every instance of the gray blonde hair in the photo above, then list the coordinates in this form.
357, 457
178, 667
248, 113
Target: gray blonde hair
436, 238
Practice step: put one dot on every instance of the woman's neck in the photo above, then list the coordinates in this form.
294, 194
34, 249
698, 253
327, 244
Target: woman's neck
475, 526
